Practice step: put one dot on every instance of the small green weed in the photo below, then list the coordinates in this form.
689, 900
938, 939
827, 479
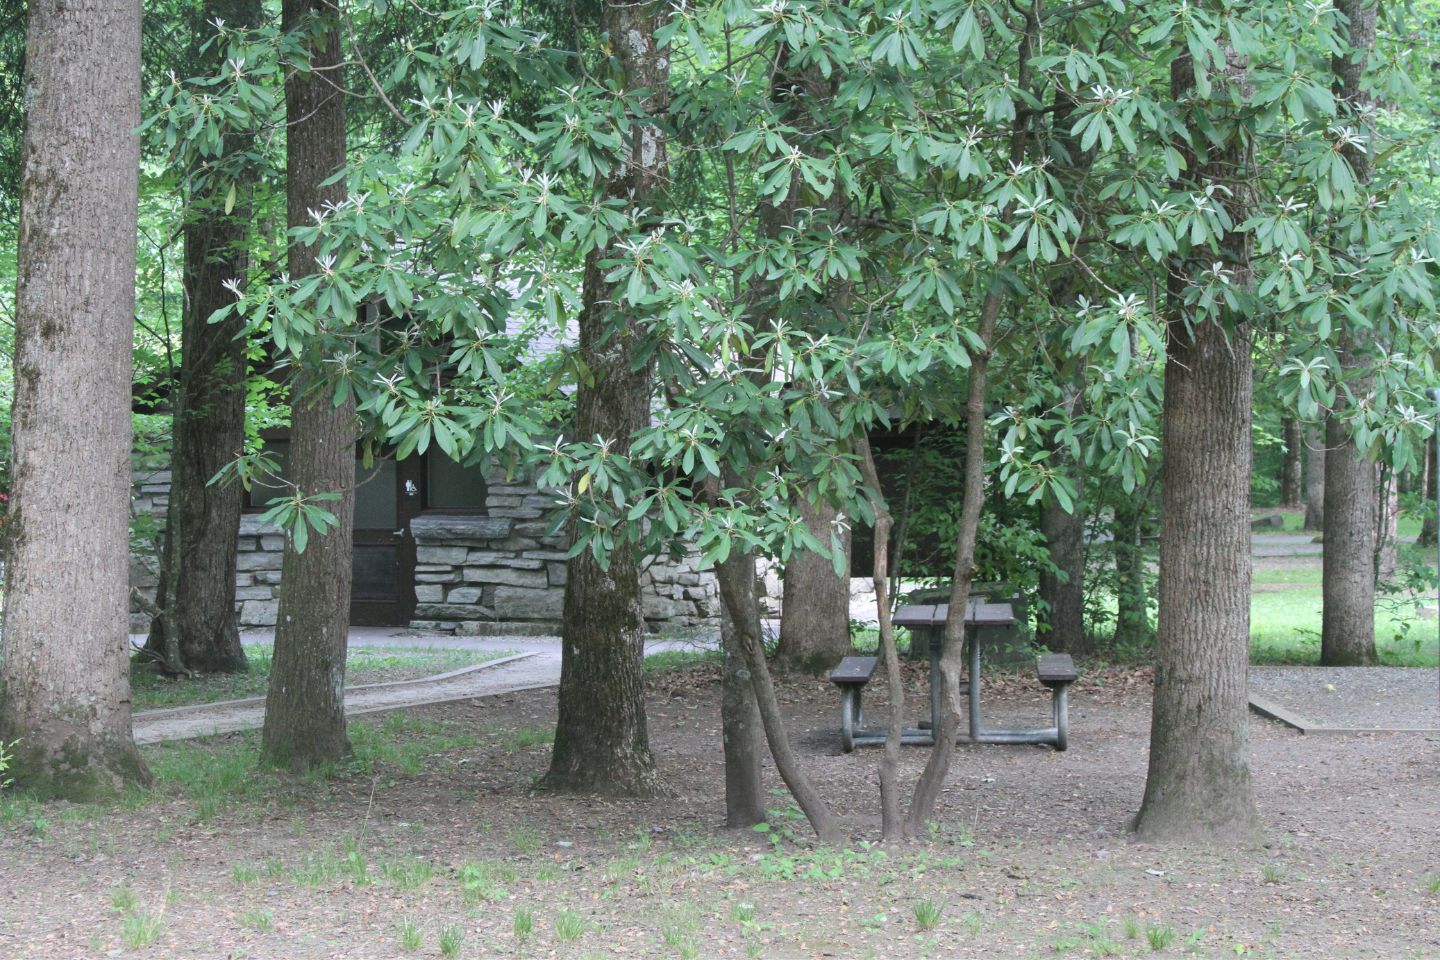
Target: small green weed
1132, 928
244, 874
140, 929
527, 840
257, 919
1272, 874
124, 900
927, 915
451, 939
485, 880
408, 874
1159, 937
569, 926
743, 913
525, 737
523, 923
411, 937
1432, 883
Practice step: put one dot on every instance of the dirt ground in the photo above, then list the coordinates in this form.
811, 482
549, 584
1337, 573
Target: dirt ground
438, 846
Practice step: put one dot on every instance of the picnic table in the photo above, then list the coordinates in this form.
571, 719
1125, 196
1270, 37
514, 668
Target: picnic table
926, 623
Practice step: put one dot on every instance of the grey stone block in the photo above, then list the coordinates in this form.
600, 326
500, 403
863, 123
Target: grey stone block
463, 595
507, 576
558, 573
259, 560
524, 604
439, 554
459, 528
497, 558
429, 593
452, 611
448, 575
254, 593
259, 613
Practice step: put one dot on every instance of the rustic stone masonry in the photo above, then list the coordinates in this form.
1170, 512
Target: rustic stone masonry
497, 572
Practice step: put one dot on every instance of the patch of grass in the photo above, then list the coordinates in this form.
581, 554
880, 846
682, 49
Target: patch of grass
526, 737
411, 936
1272, 874
257, 919
681, 934
522, 923
124, 900
409, 874
927, 914
743, 913
664, 661
451, 939
485, 881
569, 926
1159, 937
140, 929
527, 840
1432, 883
244, 874
402, 743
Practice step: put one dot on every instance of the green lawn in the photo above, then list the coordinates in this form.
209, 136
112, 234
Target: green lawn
364, 665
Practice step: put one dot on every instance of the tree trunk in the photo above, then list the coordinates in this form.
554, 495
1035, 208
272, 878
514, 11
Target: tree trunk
305, 706
1432, 488
197, 596
1133, 630
815, 616
1347, 625
1292, 487
1314, 478
1064, 592
1387, 524
892, 825
64, 681
740, 721
601, 741
1198, 783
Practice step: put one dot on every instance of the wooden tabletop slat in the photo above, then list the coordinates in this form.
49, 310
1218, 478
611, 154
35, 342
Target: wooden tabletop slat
933, 615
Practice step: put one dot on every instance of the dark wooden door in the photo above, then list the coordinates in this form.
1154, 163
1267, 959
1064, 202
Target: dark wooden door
388, 495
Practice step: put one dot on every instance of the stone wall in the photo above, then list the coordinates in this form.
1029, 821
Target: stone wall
492, 573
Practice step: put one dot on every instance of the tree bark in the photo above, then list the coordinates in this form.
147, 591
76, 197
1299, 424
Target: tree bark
892, 824
815, 616
202, 522
1314, 478
1432, 487
1347, 625
1387, 524
601, 741
740, 721
1133, 630
1292, 487
1064, 592
1198, 783
64, 681
305, 705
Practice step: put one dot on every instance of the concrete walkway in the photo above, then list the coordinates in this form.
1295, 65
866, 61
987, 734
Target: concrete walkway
531, 663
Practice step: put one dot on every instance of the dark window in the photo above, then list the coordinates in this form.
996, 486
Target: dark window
451, 486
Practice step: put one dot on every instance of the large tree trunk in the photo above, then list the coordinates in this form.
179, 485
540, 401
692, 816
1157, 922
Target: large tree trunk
601, 741
203, 521
64, 683
1064, 591
740, 721
305, 706
1198, 783
1292, 487
815, 617
1314, 478
1347, 625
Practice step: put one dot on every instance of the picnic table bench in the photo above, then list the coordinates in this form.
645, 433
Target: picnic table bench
1055, 671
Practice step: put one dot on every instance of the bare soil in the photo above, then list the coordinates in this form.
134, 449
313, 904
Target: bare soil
440, 831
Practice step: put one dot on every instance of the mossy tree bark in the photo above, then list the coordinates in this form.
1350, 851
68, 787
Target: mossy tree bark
602, 744
815, 612
1198, 782
305, 705
64, 681
1314, 478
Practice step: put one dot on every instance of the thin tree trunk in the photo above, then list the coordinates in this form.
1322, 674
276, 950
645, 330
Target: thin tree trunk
1432, 488
1387, 524
64, 680
747, 633
815, 615
1198, 782
1292, 486
1133, 630
305, 706
892, 825
1063, 592
1314, 478
1347, 625
601, 741
739, 714
937, 768
197, 630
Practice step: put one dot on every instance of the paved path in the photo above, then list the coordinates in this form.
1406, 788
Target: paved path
1348, 700
534, 662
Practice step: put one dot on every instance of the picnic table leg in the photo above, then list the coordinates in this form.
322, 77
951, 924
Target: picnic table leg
849, 719
1061, 704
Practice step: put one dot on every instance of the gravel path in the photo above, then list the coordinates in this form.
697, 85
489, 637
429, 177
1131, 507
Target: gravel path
1357, 698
